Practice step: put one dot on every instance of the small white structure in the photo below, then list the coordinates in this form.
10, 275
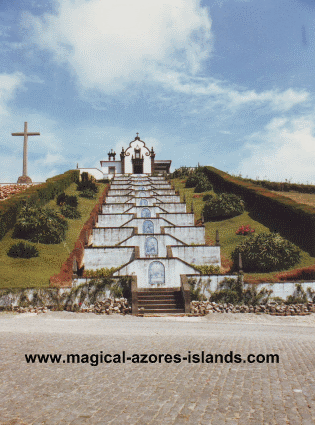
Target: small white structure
136, 159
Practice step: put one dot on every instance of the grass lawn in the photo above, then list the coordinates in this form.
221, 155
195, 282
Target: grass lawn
227, 228
35, 272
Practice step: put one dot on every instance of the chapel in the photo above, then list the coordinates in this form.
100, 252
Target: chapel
136, 159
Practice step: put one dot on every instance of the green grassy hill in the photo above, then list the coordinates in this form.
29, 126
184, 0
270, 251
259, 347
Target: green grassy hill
227, 228
35, 272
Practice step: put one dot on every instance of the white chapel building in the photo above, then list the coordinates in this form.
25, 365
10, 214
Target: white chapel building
136, 159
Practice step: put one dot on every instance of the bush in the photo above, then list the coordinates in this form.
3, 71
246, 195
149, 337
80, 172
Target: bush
299, 296
23, 250
197, 289
100, 273
90, 194
270, 208
207, 197
42, 225
87, 183
222, 206
244, 230
192, 180
180, 173
64, 199
70, 212
232, 291
266, 252
203, 184
208, 269
35, 195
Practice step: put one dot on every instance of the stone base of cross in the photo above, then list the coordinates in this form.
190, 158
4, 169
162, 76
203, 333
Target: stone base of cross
24, 180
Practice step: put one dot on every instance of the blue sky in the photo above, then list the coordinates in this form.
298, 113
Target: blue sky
227, 83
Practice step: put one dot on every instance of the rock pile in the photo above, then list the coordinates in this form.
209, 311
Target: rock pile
108, 306
11, 189
273, 308
37, 310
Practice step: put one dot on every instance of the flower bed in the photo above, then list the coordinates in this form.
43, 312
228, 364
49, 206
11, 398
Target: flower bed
244, 230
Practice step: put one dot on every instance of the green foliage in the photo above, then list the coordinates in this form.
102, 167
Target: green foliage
37, 195
42, 225
271, 209
299, 296
118, 288
222, 206
197, 289
232, 291
89, 194
64, 199
207, 197
181, 172
23, 250
266, 252
285, 186
203, 184
70, 212
100, 273
87, 184
205, 269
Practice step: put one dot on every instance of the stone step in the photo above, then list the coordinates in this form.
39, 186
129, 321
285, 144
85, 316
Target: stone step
164, 310
161, 289
156, 297
157, 302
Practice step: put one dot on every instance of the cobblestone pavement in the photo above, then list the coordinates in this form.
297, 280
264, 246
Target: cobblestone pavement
142, 394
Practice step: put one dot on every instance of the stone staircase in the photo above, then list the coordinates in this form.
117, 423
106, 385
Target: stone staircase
161, 300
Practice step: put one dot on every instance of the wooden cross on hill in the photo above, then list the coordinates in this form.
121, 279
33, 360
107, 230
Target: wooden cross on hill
24, 178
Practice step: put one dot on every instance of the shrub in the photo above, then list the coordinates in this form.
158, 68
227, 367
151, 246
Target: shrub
192, 180
180, 173
87, 183
205, 269
270, 208
207, 197
266, 252
64, 199
203, 184
299, 296
224, 205
244, 230
35, 195
90, 194
23, 250
232, 291
41, 225
70, 212
197, 289
100, 273
304, 273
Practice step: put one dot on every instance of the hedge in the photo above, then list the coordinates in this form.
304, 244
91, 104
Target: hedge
296, 222
34, 195
283, 186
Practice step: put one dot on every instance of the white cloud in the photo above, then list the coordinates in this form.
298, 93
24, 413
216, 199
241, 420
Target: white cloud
283, 150
220, 93
52, 159
108, 44
9, 83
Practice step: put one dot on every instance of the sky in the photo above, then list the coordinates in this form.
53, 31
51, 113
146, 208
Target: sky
225, 83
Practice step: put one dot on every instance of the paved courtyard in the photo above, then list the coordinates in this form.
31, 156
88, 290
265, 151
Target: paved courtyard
166, 393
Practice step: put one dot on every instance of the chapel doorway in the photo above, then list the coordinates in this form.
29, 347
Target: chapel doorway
138, 168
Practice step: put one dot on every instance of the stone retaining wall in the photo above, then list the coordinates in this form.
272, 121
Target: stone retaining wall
273, 308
